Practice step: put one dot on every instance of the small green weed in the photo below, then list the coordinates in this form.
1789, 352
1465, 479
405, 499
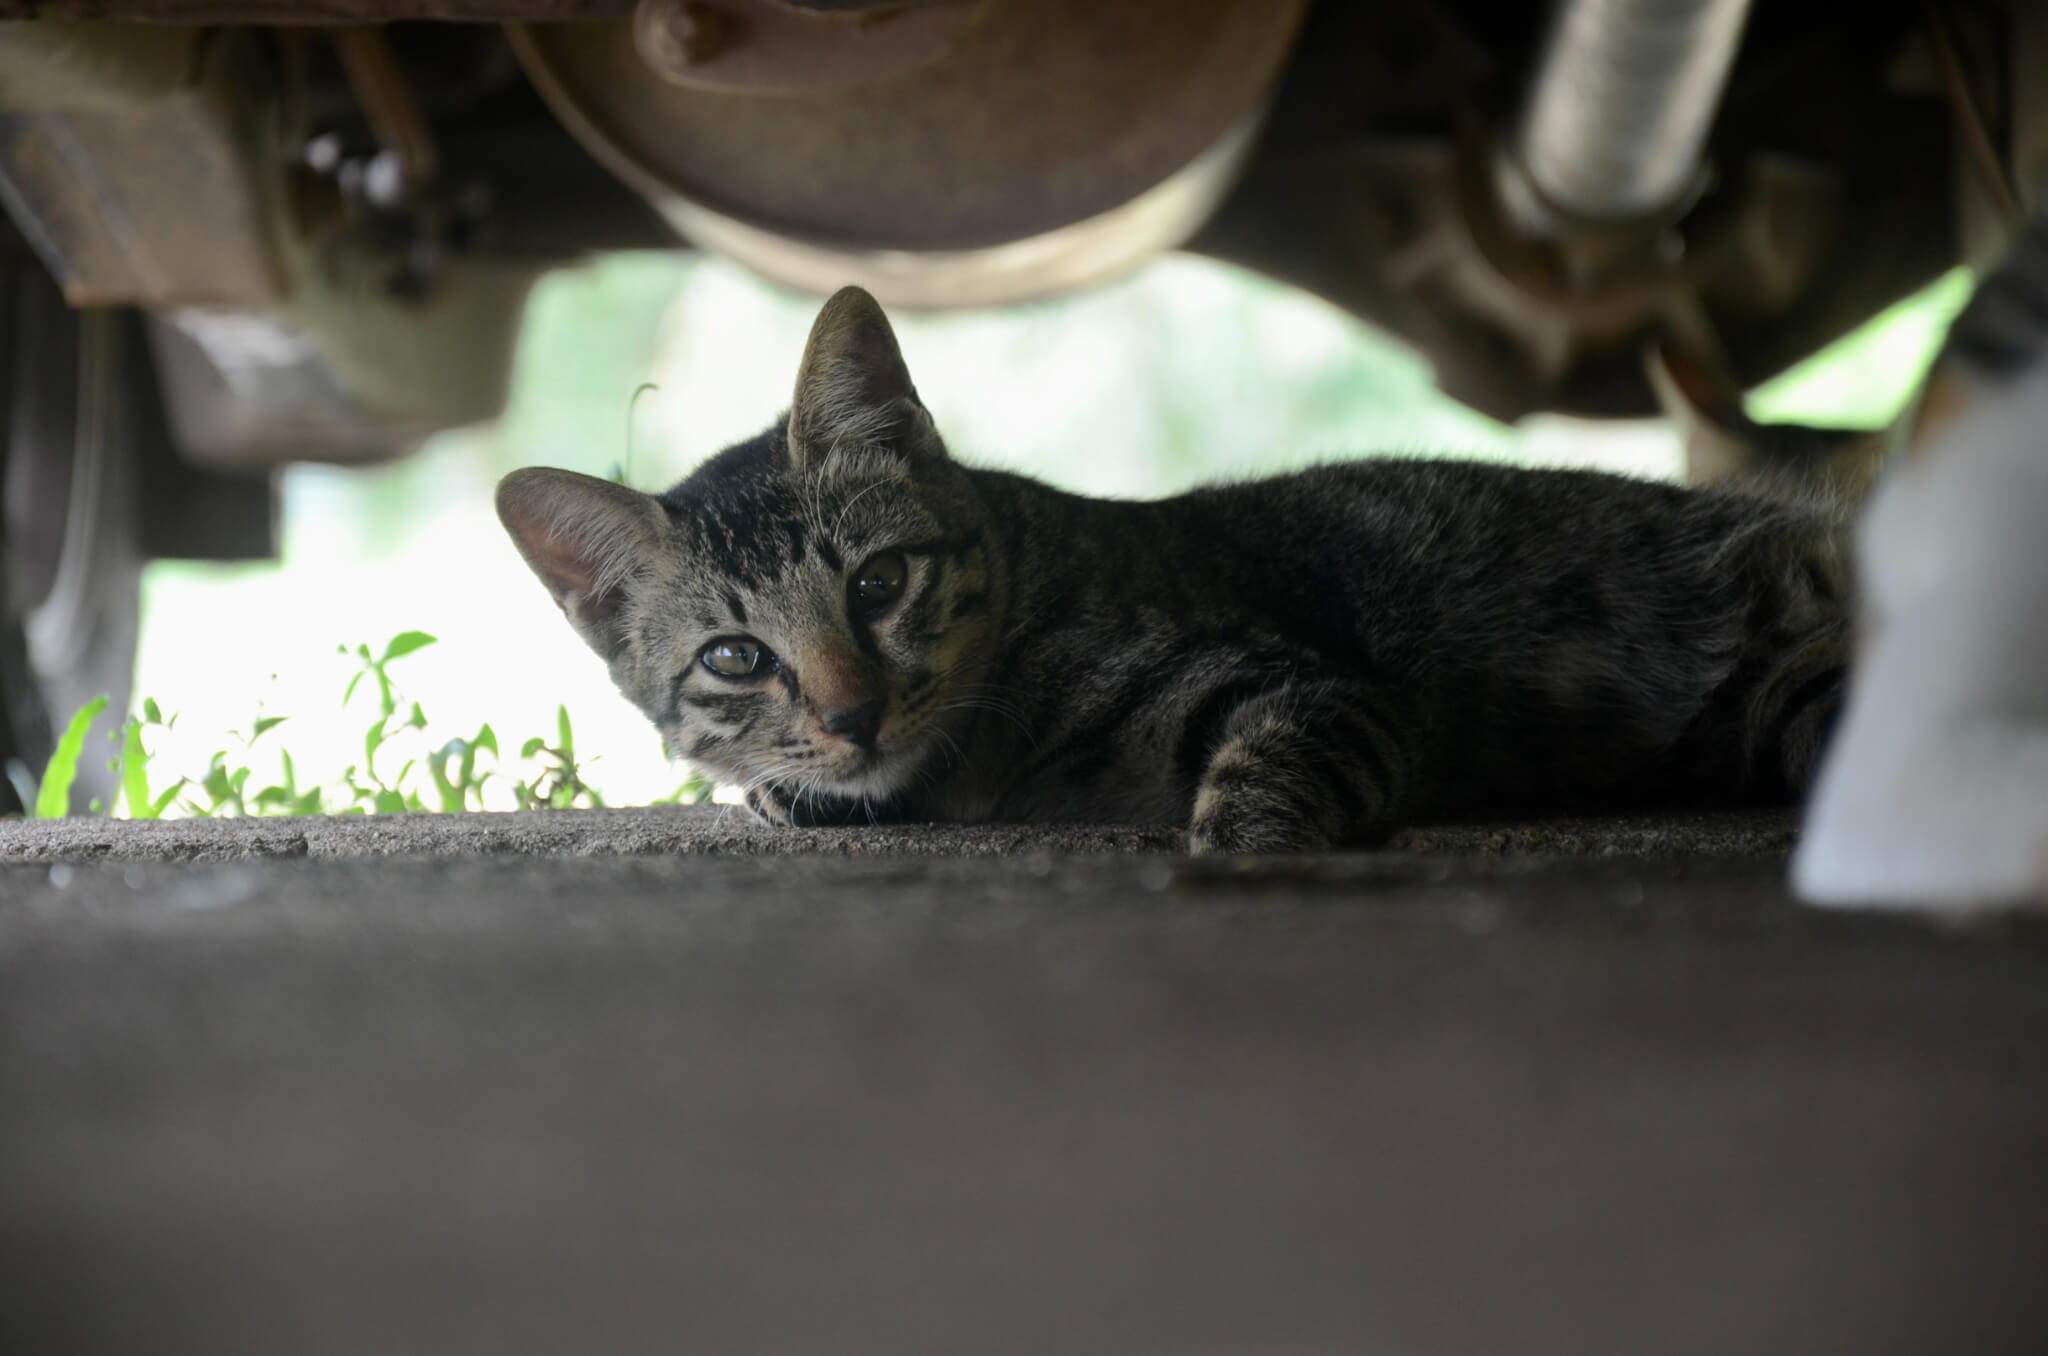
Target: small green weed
53, 796
403, 767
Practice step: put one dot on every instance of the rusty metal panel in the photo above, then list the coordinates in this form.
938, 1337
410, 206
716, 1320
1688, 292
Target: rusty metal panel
1040, 114
289, 12
151, 207
150, 182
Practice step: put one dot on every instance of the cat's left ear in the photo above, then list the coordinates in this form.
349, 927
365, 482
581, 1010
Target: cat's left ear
853, 390
586, 538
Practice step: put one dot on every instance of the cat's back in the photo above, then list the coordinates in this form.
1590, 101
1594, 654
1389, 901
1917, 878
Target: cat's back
1445, 511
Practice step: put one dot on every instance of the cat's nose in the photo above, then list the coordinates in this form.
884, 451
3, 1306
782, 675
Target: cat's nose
859, 724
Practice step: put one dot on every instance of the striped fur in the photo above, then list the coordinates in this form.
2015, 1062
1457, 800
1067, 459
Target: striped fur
1289, 664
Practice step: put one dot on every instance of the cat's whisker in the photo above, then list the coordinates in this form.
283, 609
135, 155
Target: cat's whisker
959, 754
847, 507
1007, 713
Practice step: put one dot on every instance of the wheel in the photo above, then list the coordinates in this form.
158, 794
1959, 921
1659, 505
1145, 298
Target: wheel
70, 559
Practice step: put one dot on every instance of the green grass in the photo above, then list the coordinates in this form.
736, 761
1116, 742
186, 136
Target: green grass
406, 765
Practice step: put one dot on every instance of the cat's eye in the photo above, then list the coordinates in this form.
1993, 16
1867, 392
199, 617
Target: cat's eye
876, 584
737, 657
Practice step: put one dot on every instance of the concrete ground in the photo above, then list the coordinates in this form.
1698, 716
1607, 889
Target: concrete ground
661, 1081
709, 829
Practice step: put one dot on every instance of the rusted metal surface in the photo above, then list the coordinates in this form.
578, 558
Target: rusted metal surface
147, 200
318, 12
75, 68
395, 11
677, 37
769, 47
388, 101
1041, 114
158, 207
1060, 260
1782, 255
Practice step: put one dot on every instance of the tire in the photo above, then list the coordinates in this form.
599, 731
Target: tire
71, 410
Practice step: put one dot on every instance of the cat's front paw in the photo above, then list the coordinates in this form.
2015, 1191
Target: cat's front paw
784, 808
1306, 767
772, 805
1226, 825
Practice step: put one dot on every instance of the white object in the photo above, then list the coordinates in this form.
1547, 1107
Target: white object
1935, 792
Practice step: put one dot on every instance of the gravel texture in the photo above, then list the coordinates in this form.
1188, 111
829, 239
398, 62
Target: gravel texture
688, 830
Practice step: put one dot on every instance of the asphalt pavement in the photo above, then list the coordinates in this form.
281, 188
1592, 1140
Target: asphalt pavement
663, 1081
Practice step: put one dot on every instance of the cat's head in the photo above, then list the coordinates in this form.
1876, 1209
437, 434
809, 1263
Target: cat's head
809, 608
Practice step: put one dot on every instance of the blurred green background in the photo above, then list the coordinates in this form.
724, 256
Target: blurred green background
1187, 371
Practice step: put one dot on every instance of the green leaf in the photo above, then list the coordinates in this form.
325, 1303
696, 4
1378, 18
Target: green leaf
95, 805
216, 783
273, 795
264, 723
437, 771
163, 802
53, 799
151, 712
291, 776
532, 746
308, 804
351, 689
405, 643
568, 736
418, 719
135, 770
487, 738
390, 803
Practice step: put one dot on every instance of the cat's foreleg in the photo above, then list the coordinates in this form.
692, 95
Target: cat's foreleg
783, 805
1796, 706
1300, 768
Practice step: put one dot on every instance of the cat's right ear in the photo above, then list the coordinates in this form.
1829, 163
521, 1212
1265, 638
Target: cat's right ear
853, 390
1707, 408
585, 538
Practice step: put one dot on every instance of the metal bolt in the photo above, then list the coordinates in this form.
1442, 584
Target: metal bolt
675, 36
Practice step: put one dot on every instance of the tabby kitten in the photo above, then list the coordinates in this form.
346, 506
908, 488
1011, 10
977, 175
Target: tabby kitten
854, 627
